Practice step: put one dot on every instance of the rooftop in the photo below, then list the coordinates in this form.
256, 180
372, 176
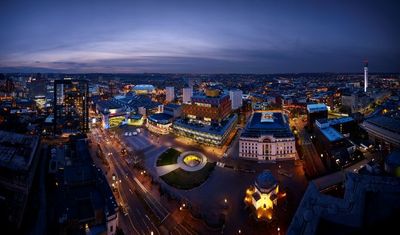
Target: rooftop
143, 87
266, 180
364, 196
162, 118
268, 123
209, 129
312, 108
331, 134
16, 150
388, 123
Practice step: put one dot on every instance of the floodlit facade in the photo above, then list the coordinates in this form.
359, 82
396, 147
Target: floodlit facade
263, 196
267, 137
207, 118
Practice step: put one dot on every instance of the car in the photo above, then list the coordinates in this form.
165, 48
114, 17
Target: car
138, 130
126, 134
134, 133
129, 133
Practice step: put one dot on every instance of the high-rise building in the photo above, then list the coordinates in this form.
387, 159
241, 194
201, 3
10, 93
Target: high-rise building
71, 112
236, 98
365, 76
169, 93
187, 94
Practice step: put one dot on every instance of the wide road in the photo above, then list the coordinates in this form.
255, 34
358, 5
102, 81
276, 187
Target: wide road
145, 213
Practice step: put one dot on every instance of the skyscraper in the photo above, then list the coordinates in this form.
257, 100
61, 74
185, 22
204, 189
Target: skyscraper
187, 95
169, 93
71, 112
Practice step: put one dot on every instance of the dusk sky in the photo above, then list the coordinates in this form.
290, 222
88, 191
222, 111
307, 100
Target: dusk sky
199, 36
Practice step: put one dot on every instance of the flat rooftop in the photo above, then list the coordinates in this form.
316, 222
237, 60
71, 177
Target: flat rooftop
209, 129
331, 134
267, 123
387, 123
16, 150
312, 108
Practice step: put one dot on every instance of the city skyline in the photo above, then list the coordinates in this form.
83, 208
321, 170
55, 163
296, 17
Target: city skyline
194, 37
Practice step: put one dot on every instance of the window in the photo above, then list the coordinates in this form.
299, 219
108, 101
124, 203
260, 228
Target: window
111, 228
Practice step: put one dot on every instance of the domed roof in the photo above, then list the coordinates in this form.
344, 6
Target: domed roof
266, 180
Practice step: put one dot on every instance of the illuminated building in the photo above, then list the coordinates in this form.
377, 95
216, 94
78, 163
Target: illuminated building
263, 196
210, 107
187, 93
169, 93
159, 123
207, 118
126, 109
143, 89
236, 98
267, 137
71, 112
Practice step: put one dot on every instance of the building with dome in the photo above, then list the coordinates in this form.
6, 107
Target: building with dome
262, 197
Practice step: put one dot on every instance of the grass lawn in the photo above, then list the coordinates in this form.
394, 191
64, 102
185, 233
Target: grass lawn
168, 157
187, 180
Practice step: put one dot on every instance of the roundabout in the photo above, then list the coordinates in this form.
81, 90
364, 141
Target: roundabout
192, 161
185, 170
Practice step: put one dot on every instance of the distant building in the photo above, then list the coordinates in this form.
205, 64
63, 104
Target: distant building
267, 137
122, 109
187, 94
143, 89
18, 163
354, 101
316, 111
71, 110
369, 205
384, 130
263, 196
207, 118
236, 98
169, 93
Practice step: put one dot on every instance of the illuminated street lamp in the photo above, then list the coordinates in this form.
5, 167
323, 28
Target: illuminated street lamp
240, 231
226, 201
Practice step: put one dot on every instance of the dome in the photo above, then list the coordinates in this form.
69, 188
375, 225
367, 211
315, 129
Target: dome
266, 180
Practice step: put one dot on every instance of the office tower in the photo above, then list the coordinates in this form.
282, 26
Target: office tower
187, 95
169, 93
365, 76
236, 98
71, 112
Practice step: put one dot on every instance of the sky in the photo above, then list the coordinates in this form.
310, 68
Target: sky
220, 36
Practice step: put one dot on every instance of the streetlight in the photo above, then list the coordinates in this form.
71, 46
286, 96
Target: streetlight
226, 200
240, 231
